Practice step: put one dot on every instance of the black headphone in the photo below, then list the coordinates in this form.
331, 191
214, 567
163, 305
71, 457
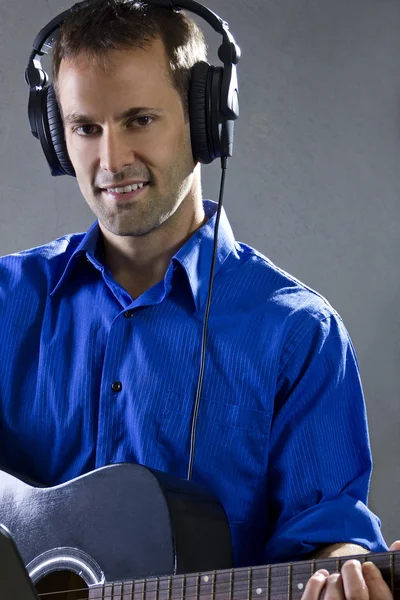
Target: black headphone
213, 94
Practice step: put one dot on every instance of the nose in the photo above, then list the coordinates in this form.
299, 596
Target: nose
115, 153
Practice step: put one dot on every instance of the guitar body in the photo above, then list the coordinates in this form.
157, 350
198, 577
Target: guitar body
119, 522
163, 537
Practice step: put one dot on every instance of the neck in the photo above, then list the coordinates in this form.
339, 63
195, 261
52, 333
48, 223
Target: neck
271, 582
137, 263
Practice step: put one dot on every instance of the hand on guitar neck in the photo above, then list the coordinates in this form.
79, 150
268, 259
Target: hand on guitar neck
356, 581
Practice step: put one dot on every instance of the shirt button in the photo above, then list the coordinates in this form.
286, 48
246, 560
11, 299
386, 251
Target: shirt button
128, 314
116, 386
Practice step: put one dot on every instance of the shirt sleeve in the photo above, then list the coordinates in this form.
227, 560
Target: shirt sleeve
320, 460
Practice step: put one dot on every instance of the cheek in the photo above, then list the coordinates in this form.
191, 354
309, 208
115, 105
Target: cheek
176, 151
175, 138
81, 157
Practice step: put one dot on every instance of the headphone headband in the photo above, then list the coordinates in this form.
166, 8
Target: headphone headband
217, 23
216, 88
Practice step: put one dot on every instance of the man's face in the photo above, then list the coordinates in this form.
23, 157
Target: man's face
152, 145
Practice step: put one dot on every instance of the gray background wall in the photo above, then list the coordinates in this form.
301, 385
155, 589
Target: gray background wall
314, 183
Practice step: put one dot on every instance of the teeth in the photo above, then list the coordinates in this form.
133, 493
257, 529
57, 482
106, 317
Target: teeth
126, 189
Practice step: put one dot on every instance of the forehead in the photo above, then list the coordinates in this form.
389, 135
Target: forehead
136, 75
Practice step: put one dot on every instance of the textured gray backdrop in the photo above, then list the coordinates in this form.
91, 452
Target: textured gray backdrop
314, 183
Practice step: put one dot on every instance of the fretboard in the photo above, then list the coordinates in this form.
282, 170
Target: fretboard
273, 582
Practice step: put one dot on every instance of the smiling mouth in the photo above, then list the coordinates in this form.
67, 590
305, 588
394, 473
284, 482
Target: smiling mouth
124, 195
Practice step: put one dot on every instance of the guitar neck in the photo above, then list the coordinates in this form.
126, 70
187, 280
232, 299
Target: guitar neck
272, 582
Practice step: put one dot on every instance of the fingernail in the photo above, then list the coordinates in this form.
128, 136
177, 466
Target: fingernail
322, 575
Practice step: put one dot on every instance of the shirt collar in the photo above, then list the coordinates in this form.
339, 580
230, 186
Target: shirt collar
88, 248
194, 257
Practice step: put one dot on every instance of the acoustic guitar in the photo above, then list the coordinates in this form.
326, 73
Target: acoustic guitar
132, 533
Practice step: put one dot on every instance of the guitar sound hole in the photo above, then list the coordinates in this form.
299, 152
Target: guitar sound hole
71, 586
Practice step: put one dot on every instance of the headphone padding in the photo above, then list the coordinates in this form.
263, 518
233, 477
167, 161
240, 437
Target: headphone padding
56, 129
199, 112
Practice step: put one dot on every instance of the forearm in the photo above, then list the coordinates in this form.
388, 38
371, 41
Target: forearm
340, 550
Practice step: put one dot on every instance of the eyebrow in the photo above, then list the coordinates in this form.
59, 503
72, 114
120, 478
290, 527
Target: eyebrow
73, 117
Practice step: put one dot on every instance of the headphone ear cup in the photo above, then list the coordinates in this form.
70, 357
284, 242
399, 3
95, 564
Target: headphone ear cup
200, 112
62, 164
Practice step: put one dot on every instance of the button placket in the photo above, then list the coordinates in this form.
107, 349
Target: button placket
116, 386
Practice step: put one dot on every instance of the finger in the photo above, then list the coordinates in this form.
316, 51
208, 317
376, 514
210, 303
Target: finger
353, 580
315, 585
395, 546
378, 590
334, 588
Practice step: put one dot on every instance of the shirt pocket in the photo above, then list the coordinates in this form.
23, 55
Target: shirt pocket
231, 448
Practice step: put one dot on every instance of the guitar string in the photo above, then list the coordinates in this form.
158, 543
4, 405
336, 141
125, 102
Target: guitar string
237, 589
132, 594
179, 580
286, 593
276, 591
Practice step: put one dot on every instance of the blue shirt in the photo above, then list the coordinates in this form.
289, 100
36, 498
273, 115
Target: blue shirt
282, 435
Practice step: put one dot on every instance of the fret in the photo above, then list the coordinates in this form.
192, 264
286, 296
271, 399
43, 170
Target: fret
96, 592
332, 565
299, 576
138, 589
396, 576
192, 586
392, 572
278, 587
183, 589
164, 588
108, 591
259, 583
241, 584
302, 571
223, 585
249, 583
383, 562
150, 590
127, 590
268, 582
118, 591
176, 587
205, 586
290, 577
213, 586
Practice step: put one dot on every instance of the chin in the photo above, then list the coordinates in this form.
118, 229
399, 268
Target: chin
125, 229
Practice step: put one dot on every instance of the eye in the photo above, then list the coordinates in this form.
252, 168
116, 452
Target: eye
82, 127
142, 121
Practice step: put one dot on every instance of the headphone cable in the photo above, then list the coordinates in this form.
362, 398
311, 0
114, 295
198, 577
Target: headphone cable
224, 162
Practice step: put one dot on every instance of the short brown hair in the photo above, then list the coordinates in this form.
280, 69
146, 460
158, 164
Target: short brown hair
103, 25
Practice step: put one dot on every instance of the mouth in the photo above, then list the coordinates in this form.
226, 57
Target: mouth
124, 196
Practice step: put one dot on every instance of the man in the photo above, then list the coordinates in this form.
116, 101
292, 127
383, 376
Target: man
106, 327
